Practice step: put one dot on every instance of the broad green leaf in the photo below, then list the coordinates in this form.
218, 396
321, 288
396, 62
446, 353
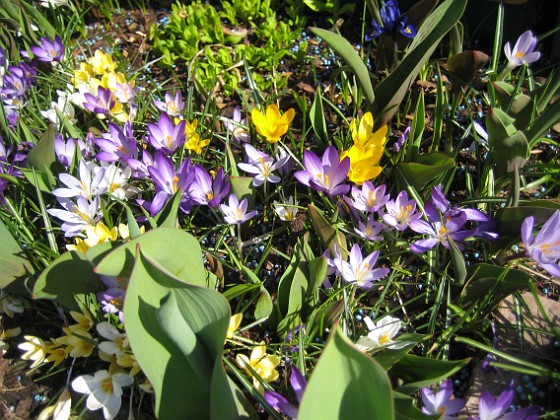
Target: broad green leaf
133, 228
392, 90
465, 65
543, 123
510, 219
176, 250
317, 117
67, 280
389, 357
242, 187
15, 265
483, 278
346, 384
426, 169
343, 48
167, 217
405, 409
42, 158
185, 326
416, 372
264, 306
329, 235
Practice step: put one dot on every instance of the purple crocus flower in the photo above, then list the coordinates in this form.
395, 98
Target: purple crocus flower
280, 403
49, 50
167, 180
235, 212
523, 51
324, 174
369, 199
441, 402
392, 23
371, 230
544, 248
117, 144
490, 408
112, 300
64, 150
165, 135
397, 146
102, 104
440, 232
77, 215
206, 191
172, 104
400, 212
360, 270
261, 166
439, 200
237, 126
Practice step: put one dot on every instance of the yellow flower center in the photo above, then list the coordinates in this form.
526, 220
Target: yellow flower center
519, 54
107, 385
384, 338
404, 212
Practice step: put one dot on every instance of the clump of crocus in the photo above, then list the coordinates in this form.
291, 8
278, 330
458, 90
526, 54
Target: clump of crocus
367, 150
400, 212
262, 364
441, 402
392, 23
272, 125
544, 248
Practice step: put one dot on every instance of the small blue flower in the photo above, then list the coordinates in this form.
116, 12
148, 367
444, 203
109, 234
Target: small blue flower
392, 23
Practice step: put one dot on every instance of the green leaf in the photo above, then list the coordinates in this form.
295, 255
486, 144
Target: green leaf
167, 217
67, 280
343, 48
185, 326
510, 219
176, 250
458, 262
417, 372
329, 235
483, 278
242, 187
14, 263
465, 65
317, 117
392, 90
346, 383
426, 169
43, 158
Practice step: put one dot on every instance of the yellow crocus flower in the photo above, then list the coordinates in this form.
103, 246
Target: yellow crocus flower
102, 63
195, 144
95, 235
272, 125
363, 163
262, 364
234, 323
363, 134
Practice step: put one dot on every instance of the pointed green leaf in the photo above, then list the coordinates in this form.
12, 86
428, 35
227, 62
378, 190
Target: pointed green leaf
346, 383
343, 48
392, 90
67, 280
176, 250
14, 263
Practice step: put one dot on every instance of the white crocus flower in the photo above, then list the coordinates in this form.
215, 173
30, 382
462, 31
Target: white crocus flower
62, 108
104, 389
35, 349
118, 342
287, 212
381, 334
90, 184
261, 165
116, 179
